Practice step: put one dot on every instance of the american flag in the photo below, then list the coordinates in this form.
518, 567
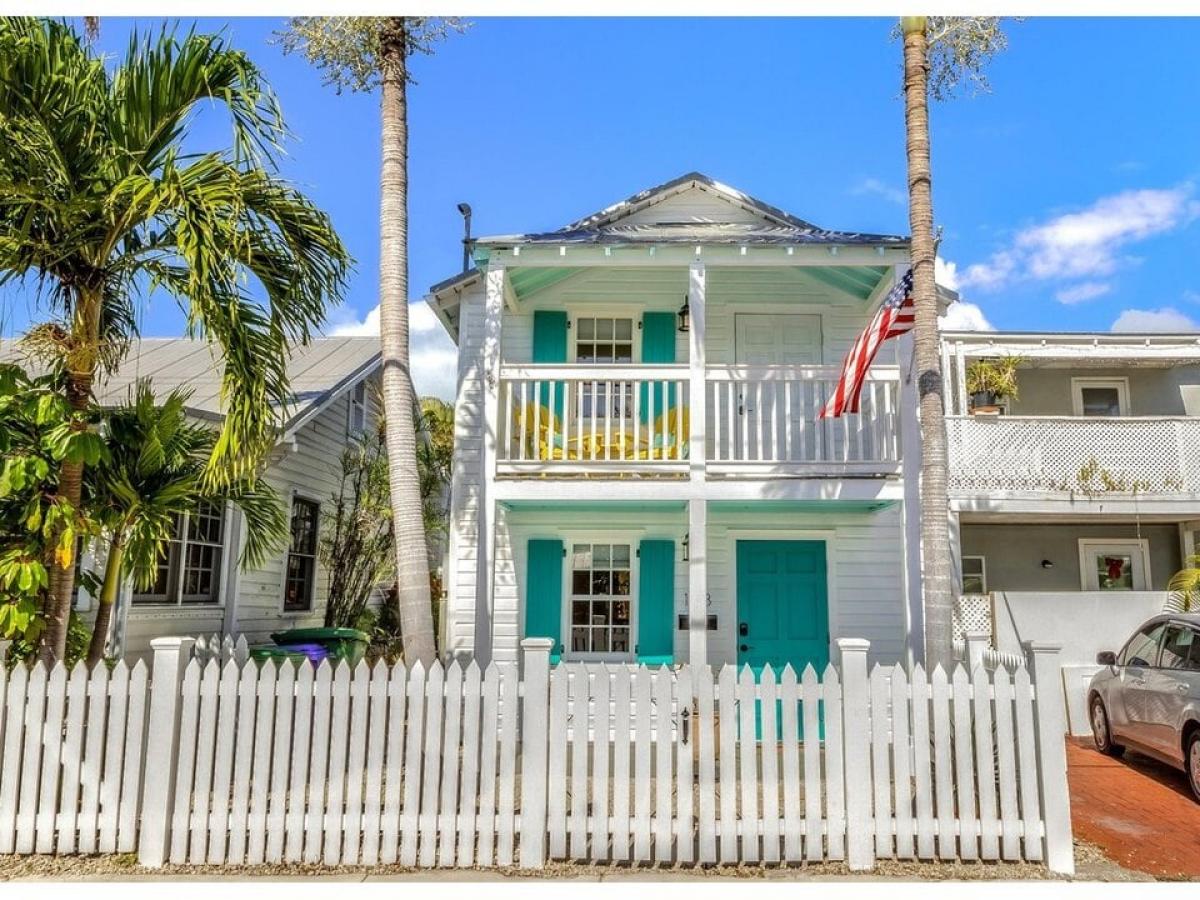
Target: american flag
894, 318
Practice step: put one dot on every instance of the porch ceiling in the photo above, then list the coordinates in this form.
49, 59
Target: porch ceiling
859, 281
801, 506
595, 506
526, 281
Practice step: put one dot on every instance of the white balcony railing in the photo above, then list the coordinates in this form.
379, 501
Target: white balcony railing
761, 420
1061, 454
768, 416
593, 418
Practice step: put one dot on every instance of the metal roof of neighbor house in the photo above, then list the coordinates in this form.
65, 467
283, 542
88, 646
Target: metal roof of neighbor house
318, 371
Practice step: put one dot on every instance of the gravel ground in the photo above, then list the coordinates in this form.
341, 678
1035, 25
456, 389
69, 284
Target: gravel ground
1091, 865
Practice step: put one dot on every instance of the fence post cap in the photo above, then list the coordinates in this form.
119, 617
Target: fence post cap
853, 644
172, 643
1042, 647
538, 643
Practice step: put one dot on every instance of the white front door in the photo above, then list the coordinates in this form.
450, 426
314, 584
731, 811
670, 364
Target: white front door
773, 339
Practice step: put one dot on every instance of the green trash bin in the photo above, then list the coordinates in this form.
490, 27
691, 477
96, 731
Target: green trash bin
347, 645
277, 654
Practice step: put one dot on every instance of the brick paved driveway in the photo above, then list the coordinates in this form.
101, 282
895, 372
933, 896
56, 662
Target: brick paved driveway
1140, 812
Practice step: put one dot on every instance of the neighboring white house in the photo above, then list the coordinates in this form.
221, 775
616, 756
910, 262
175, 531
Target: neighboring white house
639, 470
201, 589
1075, 506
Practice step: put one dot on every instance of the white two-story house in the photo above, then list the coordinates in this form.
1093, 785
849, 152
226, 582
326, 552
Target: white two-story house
640, 472
1076, 500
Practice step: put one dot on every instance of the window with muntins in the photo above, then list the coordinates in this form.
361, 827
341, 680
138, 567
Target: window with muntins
601, 599
189, 571
974, 575
301, 575
604, 341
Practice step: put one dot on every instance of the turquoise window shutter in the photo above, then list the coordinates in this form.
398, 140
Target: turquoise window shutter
658, 346
656, 603
550, 346
543, 592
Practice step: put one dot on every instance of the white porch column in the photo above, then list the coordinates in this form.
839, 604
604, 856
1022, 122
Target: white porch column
231, 554
910, 455
493, 309
697, 455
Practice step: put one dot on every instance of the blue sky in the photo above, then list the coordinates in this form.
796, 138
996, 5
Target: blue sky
1068, 195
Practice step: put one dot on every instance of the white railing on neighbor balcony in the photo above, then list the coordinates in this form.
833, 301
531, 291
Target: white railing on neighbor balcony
768, 416
1074, 455
592, 418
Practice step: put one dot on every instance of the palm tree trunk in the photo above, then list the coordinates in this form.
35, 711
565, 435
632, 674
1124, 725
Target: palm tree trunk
935, 530
412, 567
57, 610
108, 598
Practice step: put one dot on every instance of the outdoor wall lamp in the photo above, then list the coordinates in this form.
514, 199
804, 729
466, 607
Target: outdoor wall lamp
684, 314
685, 544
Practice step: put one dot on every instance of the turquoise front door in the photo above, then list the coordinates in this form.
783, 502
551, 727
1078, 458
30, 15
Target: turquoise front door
782, 605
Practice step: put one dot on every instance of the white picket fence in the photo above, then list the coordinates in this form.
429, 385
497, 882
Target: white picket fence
459, 767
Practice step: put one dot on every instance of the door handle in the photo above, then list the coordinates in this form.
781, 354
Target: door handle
743, 629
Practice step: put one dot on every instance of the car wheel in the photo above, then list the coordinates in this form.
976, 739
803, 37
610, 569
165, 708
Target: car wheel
1100, 730
1191, 761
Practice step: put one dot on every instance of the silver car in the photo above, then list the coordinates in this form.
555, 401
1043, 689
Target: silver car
1147, 697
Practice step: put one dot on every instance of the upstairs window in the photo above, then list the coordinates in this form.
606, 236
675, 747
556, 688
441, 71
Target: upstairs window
604, 341
356, 419
189, 571
1100, 397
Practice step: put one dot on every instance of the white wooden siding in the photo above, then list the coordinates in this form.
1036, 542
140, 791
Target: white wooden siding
312, 471
865, 552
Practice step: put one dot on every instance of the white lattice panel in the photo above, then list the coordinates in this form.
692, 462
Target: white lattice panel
972, 613
1074, 455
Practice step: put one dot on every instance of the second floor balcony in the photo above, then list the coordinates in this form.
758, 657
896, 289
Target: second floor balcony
637, 420
1073, 455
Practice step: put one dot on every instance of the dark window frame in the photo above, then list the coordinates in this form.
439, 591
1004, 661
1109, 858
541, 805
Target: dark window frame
300, 561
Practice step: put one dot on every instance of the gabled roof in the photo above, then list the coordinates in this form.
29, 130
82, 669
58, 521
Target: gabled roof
767, 224
318, 372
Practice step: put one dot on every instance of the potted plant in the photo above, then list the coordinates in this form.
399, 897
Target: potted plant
991, 381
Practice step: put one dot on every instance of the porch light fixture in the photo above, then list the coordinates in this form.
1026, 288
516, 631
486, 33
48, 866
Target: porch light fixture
686, 536
684, 314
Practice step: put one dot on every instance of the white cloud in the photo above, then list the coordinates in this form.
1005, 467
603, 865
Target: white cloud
434, 357
1085, 290
1164, 320
945, 273
875, 187
1087, 243
963, 316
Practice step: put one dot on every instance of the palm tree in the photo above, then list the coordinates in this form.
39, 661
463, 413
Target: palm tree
108, 198
946, 50
362, 54
151, 475
1184, 587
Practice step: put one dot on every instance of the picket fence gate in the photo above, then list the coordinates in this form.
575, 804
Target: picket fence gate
458, 767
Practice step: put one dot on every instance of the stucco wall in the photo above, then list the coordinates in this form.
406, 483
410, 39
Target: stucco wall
1152, 392
1014, 553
